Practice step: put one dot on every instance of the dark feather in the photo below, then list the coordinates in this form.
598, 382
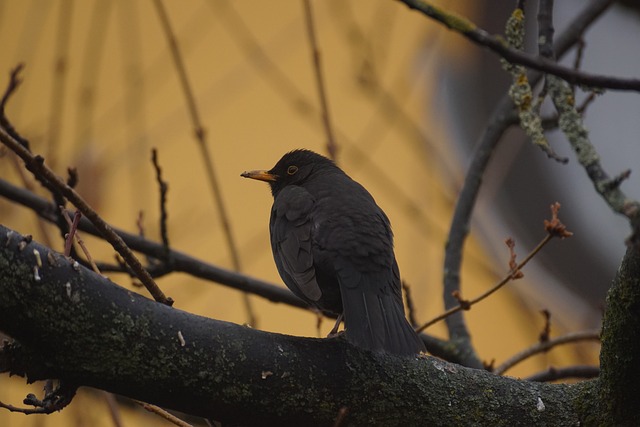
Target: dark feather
333, 247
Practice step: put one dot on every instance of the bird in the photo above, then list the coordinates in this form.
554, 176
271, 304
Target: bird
333, 248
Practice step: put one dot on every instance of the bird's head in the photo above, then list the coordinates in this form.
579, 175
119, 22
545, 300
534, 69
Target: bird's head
294, 168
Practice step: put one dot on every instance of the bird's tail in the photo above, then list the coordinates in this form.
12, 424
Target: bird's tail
376, 321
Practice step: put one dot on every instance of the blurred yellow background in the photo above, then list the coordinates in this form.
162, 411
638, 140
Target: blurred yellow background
100, 90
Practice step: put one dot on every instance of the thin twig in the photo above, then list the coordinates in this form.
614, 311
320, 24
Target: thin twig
182, 72
14, 82
164, 189
92, 65
332, 148
319, 319
587, 102
577, 62
164, 414
554, 228
54, 400
73, 225
543, 347
26, 411
477, 35
546, 331
28, 184
114, 410
74, 235
555, 374
411, 309
200, 135
268, 69
60, 78
500, 284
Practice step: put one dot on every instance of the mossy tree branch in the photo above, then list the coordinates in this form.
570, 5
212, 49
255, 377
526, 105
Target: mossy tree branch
620, 354
72, 324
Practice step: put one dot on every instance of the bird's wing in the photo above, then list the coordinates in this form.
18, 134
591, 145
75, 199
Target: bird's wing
370, 288
373, 311
290, 228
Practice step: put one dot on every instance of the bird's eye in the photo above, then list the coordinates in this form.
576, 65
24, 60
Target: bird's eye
291, 170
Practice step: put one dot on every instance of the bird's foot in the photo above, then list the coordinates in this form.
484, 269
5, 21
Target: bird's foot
334, 332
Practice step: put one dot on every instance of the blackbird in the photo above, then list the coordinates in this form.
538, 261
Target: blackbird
333, 247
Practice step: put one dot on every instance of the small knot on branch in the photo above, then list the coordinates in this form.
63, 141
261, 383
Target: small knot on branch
14, 82
489, 366
513, 264
465, 304
72, 179
200, 133
546, 331
555, 227
615, 182
554, 156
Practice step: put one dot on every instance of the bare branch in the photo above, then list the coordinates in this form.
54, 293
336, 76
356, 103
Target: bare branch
543, 347
479, 36
61, 79
546, 331
163, 187
555, 374
332, 147
164, 414
466, 305
55, 399
75, 236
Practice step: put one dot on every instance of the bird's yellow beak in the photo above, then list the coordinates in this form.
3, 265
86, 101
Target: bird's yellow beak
260, 175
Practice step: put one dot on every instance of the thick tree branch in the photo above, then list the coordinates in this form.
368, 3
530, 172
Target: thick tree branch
74, 325
620, 354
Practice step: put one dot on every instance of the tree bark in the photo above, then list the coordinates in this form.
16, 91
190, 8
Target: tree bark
72, 324
620, 355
